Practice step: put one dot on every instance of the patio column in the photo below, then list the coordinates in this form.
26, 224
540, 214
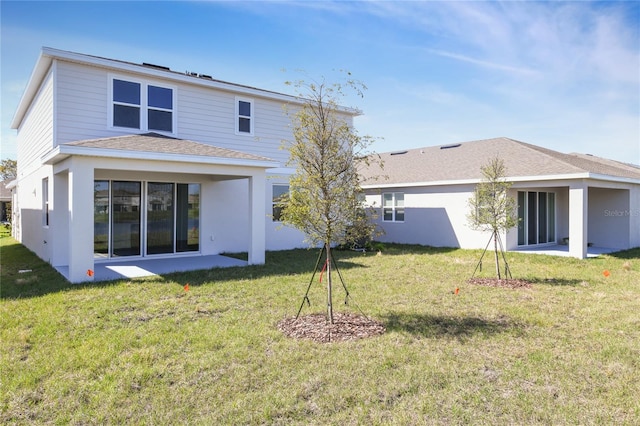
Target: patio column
80, 220
257, 215
578, 219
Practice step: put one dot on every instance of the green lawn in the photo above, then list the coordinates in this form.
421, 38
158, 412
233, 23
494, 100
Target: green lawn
566, 351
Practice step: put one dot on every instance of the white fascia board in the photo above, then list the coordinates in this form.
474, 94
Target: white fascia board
475, 181
614, 179
63, 151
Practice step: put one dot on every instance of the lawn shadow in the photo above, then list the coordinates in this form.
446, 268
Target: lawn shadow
633, 253
391, 249
442, 326
556, 281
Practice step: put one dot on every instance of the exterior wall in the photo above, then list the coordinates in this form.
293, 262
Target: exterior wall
203, 114
30, 229
279, 236
36, 132
435, 216
609, 218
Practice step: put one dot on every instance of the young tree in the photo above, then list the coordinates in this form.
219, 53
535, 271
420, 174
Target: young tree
491, 208
8, 169
324, 198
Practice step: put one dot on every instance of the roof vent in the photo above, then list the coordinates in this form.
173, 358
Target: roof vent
191, 73
450, 146
160, 67
398, 153
208, 77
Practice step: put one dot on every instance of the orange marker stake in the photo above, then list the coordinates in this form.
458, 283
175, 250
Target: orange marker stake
186, 287
606, 273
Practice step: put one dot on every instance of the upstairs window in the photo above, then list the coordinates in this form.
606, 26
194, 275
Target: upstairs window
142, 106
393, 207
160, 111
244, 116
126, 104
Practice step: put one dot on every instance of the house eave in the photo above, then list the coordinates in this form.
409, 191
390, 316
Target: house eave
514, 179
62, 152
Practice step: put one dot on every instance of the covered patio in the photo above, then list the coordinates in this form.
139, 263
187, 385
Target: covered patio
116, 269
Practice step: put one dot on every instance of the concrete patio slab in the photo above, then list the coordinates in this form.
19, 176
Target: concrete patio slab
116, 269
563, 250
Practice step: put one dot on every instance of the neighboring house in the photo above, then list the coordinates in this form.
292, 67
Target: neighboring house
575, 199
121, 160
5, 202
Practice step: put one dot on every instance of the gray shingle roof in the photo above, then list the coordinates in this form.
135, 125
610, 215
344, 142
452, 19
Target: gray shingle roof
156, 143
463, 161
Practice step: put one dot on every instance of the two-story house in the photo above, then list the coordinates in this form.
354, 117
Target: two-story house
118, 160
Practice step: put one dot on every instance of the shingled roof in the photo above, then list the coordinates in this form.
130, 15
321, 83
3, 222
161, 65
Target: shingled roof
157, 143
154, 145
463, 161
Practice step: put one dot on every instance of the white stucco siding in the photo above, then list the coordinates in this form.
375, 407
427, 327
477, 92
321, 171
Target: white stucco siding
279, 236
36, 132
33, 233
434, 216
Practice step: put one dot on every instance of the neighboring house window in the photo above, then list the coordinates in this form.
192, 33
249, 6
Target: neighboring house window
143, 106
244, 116
393, 207
279, 200
45, 202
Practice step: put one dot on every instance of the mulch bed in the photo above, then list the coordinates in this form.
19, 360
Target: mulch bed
346, 326
503, 283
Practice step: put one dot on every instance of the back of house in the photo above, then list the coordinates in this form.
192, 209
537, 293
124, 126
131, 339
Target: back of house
133, 160
577, 201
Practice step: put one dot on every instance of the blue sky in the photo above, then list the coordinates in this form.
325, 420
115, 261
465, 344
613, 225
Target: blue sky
563, 75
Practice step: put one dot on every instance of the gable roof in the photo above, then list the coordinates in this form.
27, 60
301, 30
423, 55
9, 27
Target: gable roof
48, 55
153, 146
462, 162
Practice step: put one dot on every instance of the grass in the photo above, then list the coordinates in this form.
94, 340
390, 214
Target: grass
566, 351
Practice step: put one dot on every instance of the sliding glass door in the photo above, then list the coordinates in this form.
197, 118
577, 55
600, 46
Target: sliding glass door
536, 217
125, 218
170, 223
159, 218
188, 217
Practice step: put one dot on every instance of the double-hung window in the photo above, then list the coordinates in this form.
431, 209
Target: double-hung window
141, 105
244, 116
393, 207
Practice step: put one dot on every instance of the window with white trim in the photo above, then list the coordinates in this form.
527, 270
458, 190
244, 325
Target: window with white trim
45, 202
279, 198
244, 116
393, 207
141, 105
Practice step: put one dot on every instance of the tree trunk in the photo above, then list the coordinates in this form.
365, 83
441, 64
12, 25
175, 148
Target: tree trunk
495, 251
329, 289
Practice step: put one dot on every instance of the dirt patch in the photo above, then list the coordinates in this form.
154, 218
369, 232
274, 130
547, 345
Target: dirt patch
346, 326
504, 283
